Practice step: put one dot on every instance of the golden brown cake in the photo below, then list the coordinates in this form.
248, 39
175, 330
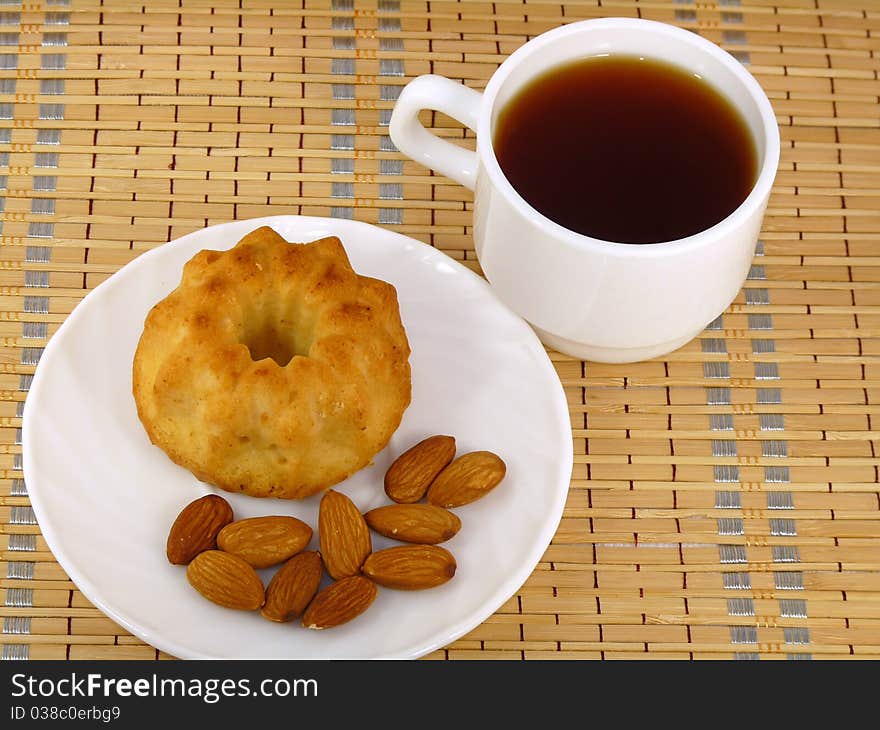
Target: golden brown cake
273, 369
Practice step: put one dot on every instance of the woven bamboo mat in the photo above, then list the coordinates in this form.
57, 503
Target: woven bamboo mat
725, 500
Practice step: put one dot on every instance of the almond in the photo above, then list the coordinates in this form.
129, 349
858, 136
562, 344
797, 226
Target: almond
265, 541
340, 602
196, 528
226, 579
420, 523
409, 477
467, 479
292, 587
410, 567
345, 537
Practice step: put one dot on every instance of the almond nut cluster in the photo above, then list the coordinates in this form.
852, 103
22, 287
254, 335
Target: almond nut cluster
222, 554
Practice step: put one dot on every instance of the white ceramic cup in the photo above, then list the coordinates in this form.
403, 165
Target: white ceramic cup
596, 300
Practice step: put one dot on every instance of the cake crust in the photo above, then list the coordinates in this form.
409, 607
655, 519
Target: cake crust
274, 369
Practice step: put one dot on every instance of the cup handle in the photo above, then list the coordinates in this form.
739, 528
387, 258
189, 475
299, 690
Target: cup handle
411, 138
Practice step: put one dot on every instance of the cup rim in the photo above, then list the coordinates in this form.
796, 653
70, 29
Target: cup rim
753, 201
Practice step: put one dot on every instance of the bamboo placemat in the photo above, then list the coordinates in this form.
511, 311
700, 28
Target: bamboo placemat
725, 500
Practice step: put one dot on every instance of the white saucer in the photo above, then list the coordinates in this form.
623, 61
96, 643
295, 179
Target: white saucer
105, 497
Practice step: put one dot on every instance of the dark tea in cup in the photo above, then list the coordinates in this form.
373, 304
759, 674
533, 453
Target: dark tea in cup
626, 149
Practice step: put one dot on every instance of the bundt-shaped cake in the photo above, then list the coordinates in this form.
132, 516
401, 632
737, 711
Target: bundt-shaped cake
273, 369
